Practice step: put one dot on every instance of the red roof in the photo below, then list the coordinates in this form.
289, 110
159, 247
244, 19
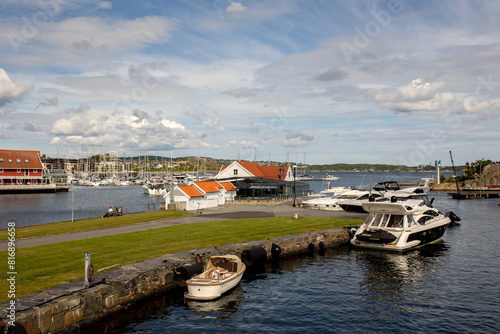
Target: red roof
209, 186
228, 186
267, 172
191, 191
11, 159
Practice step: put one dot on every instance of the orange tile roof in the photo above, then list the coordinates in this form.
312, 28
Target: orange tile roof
228, 186
20, 159
268, 172
209, 186
257, 170
191, 191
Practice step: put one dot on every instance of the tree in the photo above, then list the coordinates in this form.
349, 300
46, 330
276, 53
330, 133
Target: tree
475, 168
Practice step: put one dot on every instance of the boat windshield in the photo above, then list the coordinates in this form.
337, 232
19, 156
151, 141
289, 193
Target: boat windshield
387, 220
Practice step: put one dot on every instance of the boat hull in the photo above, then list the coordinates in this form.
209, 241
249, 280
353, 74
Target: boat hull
406, 240
210, 289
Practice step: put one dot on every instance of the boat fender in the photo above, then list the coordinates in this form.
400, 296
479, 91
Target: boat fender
275, 251
189, 270
254, 256
310, 247
322, 245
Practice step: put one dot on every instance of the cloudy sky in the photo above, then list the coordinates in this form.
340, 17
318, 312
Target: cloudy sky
399, 82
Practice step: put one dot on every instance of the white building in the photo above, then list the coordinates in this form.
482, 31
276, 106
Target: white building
201, 195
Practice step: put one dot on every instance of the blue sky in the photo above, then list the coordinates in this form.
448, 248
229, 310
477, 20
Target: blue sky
398, 82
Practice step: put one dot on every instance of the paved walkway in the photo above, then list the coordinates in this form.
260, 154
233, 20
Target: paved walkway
231, 211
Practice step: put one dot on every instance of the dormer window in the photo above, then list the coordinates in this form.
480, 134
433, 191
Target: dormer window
18, 160
26, 160
10, 160
1, 160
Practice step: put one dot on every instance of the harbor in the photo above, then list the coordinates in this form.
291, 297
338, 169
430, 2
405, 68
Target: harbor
400, 276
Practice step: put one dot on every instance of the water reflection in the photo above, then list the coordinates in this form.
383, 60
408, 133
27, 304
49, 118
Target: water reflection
398, 281
222, 307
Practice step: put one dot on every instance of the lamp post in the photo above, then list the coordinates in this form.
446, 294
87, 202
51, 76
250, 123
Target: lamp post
294, 189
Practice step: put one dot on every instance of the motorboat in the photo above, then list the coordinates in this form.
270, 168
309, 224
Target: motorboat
223, 272
383, 192
330, 177
401, 225
304, 177
333, 203
155, 189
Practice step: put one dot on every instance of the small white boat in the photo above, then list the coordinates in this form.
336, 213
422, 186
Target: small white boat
154, 189
401, 225
329, 177
222, 274
333, 203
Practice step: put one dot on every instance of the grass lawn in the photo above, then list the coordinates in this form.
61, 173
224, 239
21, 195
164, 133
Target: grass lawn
42, 267
92, 224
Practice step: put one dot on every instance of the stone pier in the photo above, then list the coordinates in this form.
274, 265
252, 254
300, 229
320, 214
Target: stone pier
66, 307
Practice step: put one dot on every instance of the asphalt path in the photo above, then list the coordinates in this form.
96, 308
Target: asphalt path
224, 212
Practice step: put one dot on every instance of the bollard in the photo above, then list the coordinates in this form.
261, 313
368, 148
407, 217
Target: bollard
89, 270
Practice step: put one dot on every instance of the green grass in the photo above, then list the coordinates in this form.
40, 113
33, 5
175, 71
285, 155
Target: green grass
47, 266
92, 224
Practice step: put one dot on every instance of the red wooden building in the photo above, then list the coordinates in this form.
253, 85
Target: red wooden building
22, 171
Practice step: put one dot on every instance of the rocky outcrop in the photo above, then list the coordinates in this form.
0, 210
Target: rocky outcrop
489, 176
444, 187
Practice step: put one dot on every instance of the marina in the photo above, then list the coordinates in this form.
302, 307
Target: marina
352, 290
344, 269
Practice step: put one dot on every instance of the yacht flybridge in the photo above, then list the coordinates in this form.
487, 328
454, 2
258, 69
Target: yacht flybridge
401, 225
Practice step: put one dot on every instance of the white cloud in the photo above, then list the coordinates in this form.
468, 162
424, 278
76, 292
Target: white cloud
235, 9
171, 124
418, 95
9, 90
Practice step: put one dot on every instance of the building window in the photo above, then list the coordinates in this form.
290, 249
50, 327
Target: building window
1, 170
18, 160
26, 160
19, 171
235, 172
10, 160
26, 172
1, 160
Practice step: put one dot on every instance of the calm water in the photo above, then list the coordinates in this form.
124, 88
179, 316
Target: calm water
32, 209
448, 287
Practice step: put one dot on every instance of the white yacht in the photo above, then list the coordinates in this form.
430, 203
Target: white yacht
383, 192
401, 225
332, 203
330, 177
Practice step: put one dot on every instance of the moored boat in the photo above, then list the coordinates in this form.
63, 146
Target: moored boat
222, 273
401, 225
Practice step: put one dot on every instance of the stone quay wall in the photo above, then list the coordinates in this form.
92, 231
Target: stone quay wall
65, 308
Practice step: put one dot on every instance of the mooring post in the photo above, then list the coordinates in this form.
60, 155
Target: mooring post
87, 271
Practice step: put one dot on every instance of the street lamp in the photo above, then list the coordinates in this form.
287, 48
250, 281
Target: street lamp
294, 189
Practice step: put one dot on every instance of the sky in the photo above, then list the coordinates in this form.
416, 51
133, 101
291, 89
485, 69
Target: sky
315, 82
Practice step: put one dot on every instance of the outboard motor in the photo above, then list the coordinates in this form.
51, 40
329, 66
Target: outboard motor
454, 218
